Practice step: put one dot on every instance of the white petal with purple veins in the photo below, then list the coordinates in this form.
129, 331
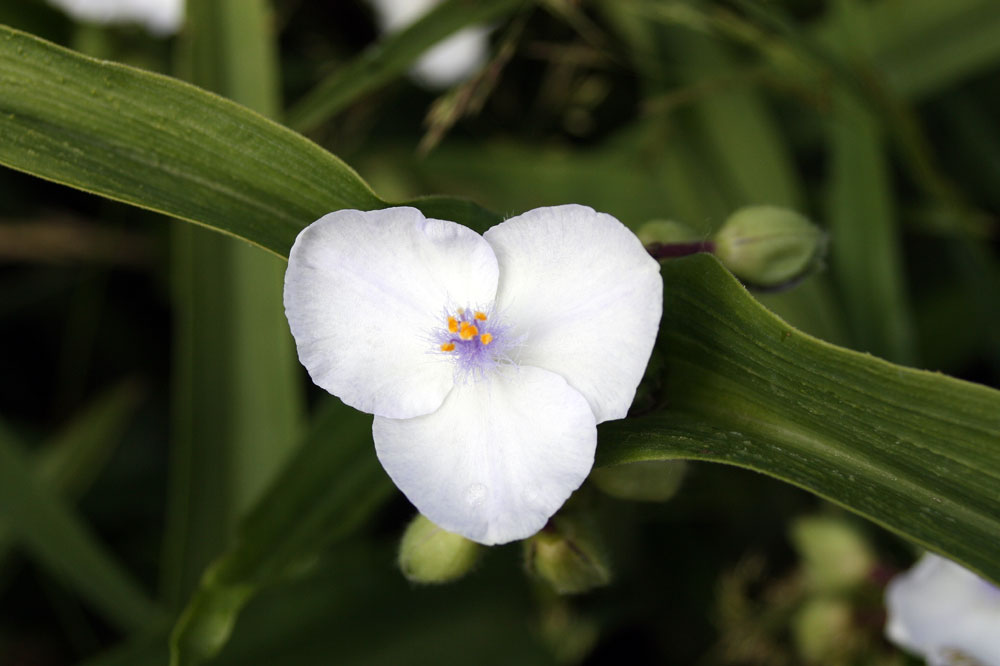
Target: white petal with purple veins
498, 459
364, 293
584, 297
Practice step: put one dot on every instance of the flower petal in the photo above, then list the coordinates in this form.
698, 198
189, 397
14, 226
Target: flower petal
364, 292
454, 59
448, 62
939, 609
161, 17
585, 299
498, 459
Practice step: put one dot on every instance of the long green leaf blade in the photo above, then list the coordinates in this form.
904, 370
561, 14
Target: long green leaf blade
76, 454
68, 463
392, 56
923, 46
329, 488
161, 144
866, 252
737, 127
62, 543
916, 452
237, 398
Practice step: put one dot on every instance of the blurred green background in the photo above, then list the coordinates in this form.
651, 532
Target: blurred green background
149, 391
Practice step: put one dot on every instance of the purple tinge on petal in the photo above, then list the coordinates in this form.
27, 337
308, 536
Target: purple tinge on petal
476, 339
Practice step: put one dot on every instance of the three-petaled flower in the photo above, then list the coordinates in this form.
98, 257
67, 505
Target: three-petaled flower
488, 361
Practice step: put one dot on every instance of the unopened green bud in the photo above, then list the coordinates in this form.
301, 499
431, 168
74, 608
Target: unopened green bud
822, 630
569, 634
429, 554
644, 481
666, 231
834, 555
767, 245
567, 555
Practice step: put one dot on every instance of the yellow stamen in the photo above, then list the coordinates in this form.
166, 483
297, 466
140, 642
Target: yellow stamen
486, 338
452, 325
481, 316
448, 346
468, 331
460, 311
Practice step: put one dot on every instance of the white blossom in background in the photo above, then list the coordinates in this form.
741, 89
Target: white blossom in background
944, 613
447, 62
161, 17
488, 361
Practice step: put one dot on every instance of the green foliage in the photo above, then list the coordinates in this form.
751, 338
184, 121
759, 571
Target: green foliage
325, 493
70, 460
390, 58
237, 400
280, 528
61, 119
916, 452
60, 541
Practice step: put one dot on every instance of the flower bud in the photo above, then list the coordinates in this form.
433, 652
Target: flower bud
643, 481
569, 634
567, 555
666, 231
767, 245
429, 554
834, 555
822, 630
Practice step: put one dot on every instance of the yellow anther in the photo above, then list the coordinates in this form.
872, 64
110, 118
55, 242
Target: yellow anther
481, 316
468, 331
452, 325
460, 311
486, 338
448, 346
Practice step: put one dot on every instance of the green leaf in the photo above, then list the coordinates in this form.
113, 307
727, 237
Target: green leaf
355, 608
617, 177
64, 545
201, 516
392, 56
723, 149
228, 46
923, 46
327, 491
237, 399
161, 144
737, 128
866, 253
456, 209
916, 452
70, 461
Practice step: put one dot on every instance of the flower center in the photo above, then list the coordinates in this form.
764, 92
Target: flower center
474, 339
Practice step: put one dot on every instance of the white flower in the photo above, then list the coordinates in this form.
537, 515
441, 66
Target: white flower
945, 613
487, 360
449, 61
161, 17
